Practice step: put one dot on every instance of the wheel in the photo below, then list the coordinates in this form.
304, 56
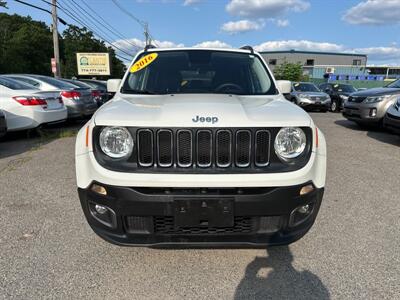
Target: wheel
334, 106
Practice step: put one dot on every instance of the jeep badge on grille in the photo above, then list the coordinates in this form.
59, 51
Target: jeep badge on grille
211, 120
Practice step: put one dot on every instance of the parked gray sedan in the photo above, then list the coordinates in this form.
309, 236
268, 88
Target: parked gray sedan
79, 101
309, 96
370, 106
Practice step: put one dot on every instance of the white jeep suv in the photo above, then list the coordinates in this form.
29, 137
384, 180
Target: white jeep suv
200, 147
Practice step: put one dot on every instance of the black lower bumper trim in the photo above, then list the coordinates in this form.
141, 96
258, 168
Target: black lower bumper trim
255, 217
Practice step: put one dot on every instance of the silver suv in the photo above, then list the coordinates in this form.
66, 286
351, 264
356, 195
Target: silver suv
309, 96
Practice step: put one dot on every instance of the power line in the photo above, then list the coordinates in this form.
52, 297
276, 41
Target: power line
82, 23
42, 9
144, 24
113, 30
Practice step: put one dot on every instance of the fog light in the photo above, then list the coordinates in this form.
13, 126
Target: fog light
301, 214
101, 209
99, 189
306, 189
304, 209
372, 112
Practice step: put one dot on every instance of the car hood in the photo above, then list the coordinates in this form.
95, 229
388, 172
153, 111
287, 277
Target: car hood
376, 92
313, 94
182, 111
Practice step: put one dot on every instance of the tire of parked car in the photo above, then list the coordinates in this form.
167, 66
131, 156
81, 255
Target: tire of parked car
334, 106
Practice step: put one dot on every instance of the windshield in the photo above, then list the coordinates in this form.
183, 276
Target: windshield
15, 85
394, 84
56, 83
305, 87
346, 88
198, 71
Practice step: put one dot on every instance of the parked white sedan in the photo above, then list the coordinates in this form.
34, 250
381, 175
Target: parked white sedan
26, 107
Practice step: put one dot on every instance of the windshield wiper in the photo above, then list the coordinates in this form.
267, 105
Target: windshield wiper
141, 92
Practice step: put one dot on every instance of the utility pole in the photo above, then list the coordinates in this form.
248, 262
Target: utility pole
57, 74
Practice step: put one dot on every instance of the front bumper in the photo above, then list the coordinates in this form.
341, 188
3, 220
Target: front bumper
148, 216
392, 122
371, 113
313, 105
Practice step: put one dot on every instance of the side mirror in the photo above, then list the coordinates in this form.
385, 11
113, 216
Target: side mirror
113, 85
284, 86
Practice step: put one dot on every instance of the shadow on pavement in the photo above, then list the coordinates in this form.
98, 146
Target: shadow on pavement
274, 277
376, 133
15, 143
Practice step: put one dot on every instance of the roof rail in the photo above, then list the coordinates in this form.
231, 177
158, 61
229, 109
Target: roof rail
250, 48
150, 46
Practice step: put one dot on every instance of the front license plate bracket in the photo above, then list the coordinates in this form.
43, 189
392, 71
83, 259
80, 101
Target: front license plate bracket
216, 212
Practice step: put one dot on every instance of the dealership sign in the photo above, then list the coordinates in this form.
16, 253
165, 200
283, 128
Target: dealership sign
93, 64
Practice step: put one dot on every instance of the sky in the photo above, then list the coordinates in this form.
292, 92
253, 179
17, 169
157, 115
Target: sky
362, 26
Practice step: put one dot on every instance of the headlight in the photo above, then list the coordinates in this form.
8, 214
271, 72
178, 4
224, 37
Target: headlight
290, 142
305, 96
377, 99
116, 142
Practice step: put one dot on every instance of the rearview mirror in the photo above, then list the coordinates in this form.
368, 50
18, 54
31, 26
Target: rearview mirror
284, 86
113, 85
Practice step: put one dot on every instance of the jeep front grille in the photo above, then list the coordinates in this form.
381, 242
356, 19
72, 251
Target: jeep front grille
203, 148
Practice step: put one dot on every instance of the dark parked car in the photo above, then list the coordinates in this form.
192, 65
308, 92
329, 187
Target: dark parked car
100, 86
392, 118
338, 92
370, 106
3, 124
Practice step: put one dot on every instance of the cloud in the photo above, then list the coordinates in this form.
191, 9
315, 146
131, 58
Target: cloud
379, 54
374, 12
241, 26
298, 45
282, 23
212, 44
265, 8
134, 45
191, 2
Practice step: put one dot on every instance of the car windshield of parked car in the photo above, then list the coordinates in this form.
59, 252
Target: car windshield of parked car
56, 83
305, 87
15, 85
346, 88
395, 84
198, 71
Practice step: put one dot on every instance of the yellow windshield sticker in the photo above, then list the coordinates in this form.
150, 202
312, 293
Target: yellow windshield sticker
143, 62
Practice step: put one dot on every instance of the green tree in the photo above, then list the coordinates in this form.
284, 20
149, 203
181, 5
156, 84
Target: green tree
3, 4
25, 45
290, 71
76, 40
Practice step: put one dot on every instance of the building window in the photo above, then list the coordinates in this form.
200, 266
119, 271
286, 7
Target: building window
309, 62
272, 62
356, 62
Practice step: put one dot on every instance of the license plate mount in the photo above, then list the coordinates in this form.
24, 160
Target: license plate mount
207, 212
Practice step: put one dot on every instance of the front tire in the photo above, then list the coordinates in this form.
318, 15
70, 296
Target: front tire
334, 106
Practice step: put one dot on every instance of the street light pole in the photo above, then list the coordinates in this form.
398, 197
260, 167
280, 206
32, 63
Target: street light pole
57, 74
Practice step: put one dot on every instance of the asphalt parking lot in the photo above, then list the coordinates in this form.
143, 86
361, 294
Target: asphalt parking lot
47, 250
